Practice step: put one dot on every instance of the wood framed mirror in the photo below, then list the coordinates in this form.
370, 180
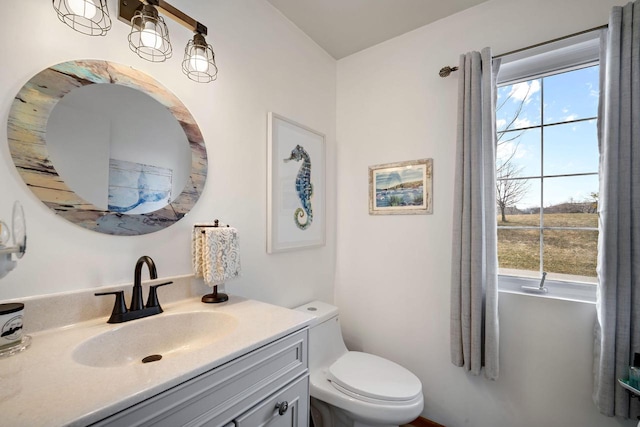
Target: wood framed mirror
107, 147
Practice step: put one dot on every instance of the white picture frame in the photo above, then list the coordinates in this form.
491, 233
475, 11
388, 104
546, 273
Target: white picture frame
401, 188
296, 193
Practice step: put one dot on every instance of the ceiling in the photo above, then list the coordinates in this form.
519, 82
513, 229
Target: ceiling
343, 27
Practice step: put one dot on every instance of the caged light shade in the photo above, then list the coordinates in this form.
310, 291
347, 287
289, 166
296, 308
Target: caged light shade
89, 17
199, 62
149, 36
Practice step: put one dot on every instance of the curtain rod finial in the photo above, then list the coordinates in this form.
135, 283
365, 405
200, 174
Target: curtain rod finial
445, 71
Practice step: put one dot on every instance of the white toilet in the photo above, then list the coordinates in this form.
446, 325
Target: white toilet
354, 389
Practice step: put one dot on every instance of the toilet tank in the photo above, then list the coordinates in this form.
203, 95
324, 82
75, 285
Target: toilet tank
325, 336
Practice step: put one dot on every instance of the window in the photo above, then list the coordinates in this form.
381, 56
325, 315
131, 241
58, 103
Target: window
547, 171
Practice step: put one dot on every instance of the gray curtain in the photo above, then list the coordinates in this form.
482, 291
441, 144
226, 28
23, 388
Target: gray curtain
474, 278
617, 334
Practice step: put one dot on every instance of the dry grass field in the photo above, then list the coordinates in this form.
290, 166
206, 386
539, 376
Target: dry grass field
565, 251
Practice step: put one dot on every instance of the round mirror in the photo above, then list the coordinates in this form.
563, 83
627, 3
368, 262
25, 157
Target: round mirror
107, 147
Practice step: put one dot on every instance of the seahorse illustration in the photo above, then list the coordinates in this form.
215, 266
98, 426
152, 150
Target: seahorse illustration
304, 187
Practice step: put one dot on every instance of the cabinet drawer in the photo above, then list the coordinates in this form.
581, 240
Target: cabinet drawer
218, 396
296, 396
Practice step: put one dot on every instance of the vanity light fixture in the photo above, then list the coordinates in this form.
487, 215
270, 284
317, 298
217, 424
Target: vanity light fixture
149, 36
199, 62
89, 17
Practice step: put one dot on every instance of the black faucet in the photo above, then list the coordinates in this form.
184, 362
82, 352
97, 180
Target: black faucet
137, 309
136, 296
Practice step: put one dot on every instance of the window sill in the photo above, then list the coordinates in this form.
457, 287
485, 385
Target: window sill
562, 290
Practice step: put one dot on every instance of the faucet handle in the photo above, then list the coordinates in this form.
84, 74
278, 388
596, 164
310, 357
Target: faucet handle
152, 300
119, 308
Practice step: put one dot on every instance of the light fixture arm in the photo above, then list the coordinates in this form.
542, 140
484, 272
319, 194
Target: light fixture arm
127, 8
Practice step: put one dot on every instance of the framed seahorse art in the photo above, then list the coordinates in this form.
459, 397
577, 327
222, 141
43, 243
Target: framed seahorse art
295, 186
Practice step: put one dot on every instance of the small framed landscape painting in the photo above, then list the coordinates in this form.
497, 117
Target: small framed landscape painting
403, 188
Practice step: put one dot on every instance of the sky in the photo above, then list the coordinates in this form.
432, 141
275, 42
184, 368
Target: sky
568, 147
391, 177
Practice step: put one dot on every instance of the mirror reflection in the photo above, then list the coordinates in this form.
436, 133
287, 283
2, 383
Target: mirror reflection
118, 148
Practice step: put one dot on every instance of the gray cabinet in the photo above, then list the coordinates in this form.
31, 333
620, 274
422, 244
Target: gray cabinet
286, 408
244, 391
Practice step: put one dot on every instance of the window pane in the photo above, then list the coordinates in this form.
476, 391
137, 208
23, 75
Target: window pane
532, 169
518, 154
571, 201
571, 148
519, 201
519, 250
518, 105
571, 95
569, 252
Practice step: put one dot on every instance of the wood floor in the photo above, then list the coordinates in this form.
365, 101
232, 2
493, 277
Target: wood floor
422, 422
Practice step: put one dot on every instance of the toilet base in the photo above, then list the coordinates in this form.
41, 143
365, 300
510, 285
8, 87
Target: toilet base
325, 415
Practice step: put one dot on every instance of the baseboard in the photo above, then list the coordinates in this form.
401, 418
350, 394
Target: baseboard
423, 422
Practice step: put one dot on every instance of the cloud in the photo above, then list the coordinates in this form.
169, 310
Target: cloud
520, 123
512, 149
524, 91
386, 180
570, 117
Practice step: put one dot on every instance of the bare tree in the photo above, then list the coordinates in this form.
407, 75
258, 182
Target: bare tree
509, 189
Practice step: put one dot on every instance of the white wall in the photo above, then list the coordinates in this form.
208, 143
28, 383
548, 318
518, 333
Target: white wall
266, 64
393, 272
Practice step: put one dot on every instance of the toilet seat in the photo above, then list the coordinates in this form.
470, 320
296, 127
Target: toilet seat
371, 378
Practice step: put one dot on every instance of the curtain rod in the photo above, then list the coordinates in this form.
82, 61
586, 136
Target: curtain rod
445, 71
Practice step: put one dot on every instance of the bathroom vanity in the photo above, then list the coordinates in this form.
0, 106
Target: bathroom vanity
266, 385
241, 363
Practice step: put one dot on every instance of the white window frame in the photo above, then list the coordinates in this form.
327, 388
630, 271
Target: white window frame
565, 55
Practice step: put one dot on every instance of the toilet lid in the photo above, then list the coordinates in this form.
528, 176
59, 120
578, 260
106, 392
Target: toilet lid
372, 376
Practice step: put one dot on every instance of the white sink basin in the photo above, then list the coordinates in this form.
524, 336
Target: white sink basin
164, 334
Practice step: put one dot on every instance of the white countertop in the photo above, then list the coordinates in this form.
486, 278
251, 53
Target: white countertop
44, 386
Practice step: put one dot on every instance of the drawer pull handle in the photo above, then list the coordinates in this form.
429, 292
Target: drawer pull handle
282, 407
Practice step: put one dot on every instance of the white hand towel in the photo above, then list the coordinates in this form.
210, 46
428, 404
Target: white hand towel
216, 254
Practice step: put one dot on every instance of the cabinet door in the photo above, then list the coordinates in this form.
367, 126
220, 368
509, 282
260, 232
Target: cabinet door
271, 412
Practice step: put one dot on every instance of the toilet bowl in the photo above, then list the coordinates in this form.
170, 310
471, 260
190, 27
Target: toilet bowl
354, 389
